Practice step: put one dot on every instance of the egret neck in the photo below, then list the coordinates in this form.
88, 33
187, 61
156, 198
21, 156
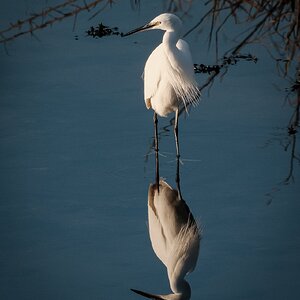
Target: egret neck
169, 42
180, 288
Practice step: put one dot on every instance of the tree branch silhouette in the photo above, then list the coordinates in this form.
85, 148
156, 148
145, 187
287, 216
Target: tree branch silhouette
48, 17
276, 23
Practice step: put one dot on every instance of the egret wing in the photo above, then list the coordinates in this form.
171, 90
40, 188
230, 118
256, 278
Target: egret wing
186, 58
181, 73
156, 231
152, 73
184, 254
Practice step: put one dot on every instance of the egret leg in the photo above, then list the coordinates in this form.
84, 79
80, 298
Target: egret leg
156, 150
177, 154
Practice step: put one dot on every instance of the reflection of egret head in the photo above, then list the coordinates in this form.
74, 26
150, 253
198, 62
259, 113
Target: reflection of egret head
162, 297
175, 238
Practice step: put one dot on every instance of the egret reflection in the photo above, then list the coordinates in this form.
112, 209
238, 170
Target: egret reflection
175, 238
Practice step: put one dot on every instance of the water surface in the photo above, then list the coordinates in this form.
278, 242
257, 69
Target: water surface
74, 179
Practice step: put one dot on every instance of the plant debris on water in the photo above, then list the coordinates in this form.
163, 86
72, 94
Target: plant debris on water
226, 61
102, 30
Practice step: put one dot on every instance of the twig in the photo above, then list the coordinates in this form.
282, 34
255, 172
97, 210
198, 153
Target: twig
70, 9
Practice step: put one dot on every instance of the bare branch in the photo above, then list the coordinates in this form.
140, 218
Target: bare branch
47, 17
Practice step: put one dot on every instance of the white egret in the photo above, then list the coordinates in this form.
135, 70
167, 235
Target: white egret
175, 238
169, 81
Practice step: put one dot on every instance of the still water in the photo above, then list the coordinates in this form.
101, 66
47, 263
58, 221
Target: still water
76, 163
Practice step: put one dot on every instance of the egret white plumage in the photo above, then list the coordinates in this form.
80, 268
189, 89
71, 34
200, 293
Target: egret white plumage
169, 81
175, 238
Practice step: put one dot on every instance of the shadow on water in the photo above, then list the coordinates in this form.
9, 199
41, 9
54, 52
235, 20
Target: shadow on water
175, 236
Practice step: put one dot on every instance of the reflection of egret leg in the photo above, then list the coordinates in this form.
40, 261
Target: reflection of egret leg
177, 153
156, 151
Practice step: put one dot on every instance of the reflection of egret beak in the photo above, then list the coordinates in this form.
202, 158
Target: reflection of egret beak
142, 28
147, 295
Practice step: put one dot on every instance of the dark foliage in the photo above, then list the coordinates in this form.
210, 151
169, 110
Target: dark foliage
102, 30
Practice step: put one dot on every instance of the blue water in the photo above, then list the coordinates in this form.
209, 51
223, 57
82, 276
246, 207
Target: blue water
75, 135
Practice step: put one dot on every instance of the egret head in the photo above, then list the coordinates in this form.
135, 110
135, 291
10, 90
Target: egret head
166, 21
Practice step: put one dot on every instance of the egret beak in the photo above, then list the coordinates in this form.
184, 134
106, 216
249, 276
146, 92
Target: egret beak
147, 295
142, 28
